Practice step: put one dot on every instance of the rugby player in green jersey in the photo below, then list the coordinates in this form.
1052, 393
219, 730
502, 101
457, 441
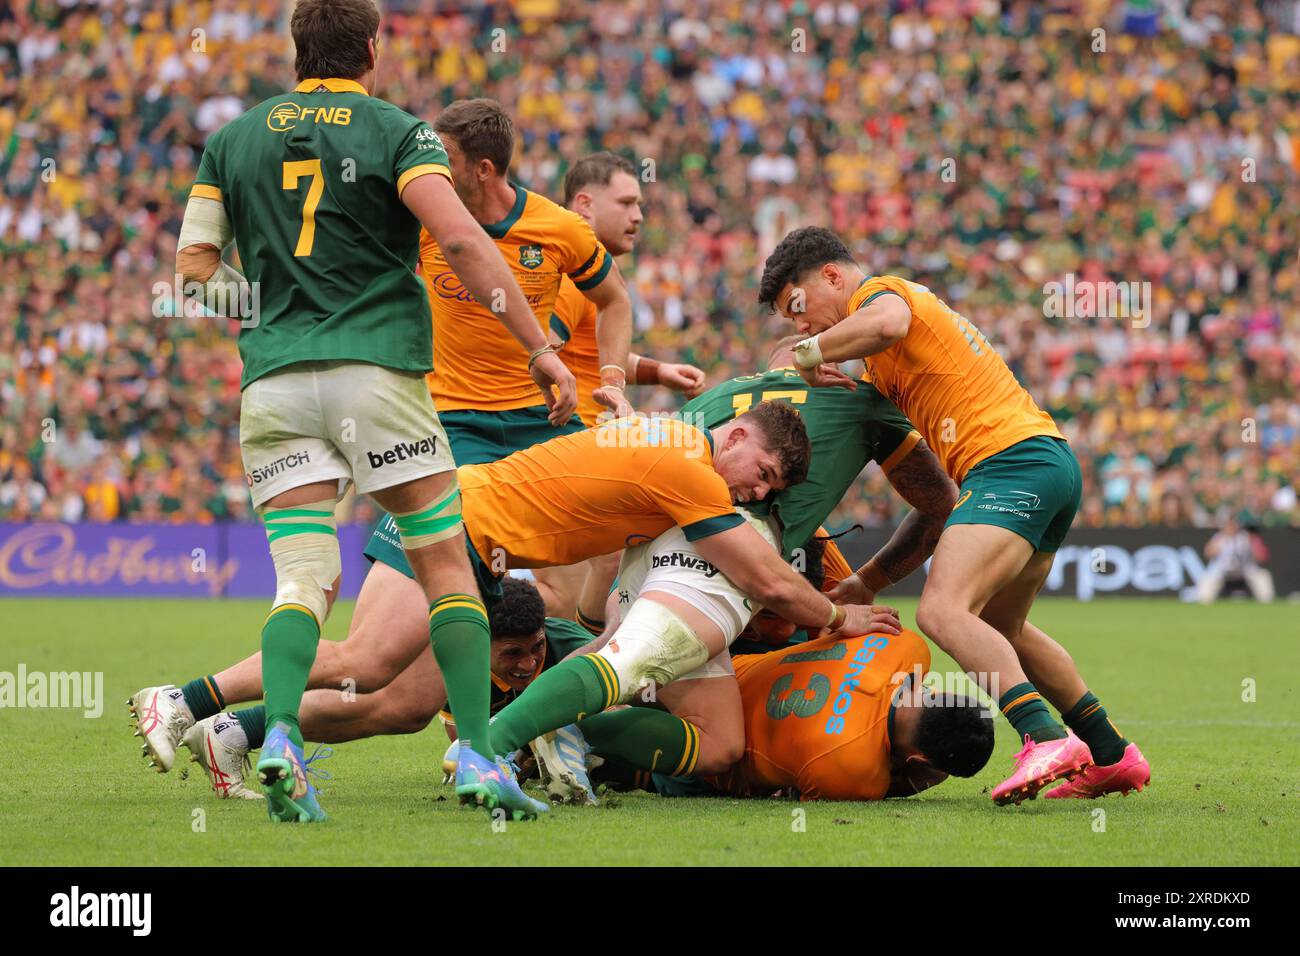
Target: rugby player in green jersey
324, 189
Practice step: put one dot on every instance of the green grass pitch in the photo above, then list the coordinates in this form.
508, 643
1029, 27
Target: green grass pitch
1226, 786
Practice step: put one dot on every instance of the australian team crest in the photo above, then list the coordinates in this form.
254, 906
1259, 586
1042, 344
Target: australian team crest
530, 256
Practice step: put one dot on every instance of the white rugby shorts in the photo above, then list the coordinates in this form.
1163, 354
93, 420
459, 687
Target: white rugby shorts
339, 421
671, 564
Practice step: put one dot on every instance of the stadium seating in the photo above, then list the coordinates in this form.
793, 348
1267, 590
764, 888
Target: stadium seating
924, 137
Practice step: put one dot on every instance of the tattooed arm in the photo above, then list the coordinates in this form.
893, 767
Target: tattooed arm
920, 480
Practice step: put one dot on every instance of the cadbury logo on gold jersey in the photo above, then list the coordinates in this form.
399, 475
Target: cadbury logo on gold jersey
447, 285
285, 116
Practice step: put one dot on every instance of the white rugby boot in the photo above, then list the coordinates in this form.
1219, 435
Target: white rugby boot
160, 717
562, 762
219, 746
450, 760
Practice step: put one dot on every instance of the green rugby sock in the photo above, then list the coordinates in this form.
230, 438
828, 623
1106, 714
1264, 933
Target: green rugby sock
1088, 719
203, 697
1025, 709
560, 695
462, 645
289, 639
253, 722
652, 740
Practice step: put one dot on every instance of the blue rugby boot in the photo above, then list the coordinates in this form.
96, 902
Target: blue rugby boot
491, 784
282, 771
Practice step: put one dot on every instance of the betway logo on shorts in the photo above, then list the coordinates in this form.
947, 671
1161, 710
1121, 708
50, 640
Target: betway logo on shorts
403, 451
259, 475
683, 559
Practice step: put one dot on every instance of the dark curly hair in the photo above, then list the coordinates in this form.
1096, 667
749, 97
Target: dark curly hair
521, 612
802, 250
956, 734
786, 437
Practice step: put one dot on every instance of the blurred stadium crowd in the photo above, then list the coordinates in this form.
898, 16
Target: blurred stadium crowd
983, 149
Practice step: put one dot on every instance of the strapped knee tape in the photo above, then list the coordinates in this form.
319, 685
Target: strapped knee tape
651, 644
305, 550
438, 521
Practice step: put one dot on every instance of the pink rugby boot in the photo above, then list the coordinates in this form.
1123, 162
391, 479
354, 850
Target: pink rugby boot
1037, 765
1130, 772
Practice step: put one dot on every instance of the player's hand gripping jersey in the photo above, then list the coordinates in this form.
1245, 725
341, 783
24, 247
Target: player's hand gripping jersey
310, 181
947, 379
477, 363
817, 716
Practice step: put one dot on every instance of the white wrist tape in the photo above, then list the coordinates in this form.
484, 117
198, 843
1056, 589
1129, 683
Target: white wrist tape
808, 353
206, 223
225, 274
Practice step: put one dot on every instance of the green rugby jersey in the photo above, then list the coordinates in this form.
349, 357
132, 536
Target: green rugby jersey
847, 430
563, 637
311, 181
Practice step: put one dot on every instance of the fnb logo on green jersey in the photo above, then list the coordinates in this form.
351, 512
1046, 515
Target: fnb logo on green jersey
403, 451
844, 696
285, 116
